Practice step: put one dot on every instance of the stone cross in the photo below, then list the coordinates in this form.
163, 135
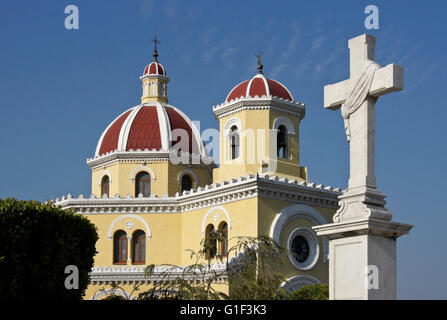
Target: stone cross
362, 122
362, 237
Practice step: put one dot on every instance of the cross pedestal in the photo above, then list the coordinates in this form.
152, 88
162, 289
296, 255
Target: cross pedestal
362, 237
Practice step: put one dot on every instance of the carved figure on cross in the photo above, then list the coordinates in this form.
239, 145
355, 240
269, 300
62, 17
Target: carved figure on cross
357, 97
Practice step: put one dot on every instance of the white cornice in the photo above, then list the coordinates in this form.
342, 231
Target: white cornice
254, 103
144, 155
209, 196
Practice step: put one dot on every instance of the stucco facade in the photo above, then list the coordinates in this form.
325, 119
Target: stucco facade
257, 190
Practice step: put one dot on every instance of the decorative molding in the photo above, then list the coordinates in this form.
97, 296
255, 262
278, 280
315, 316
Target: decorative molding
147, 156
296, 282
298, 211
142, 168
314, 248
287, 107
209, 196
133, 274
230, 123
286, 123
129, 225
112, 226
211, 211
189, 172
102, 174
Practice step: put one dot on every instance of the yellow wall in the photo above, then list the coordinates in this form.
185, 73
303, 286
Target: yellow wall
165, 182
255, 149
269, 209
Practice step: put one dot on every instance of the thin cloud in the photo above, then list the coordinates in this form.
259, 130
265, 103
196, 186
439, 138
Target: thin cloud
330, 59
317, 43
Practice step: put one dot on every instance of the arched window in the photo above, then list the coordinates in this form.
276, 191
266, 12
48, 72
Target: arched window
143, 184
120, 247
105, 186
160, 89
223, 241
152, 88
210, 242
186, 183
234, 143
281, 142
139, 247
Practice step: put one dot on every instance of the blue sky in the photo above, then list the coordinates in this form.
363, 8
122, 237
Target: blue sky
59, 89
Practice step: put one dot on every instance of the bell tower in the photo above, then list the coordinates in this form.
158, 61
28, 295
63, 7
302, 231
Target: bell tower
259, 130
154, 80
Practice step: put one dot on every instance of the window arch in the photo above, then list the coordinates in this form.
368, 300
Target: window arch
152, 88
120, 247
186, 183
234, 142
139, 247
282, 143
210, 242
143, 184
105, 184
223, 241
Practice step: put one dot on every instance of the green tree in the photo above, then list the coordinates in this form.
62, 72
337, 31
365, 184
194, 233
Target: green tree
38, 241
311, 292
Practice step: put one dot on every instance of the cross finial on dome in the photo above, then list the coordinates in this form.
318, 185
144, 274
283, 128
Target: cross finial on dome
155, 41
260, 66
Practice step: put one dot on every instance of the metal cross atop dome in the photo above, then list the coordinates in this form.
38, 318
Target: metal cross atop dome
155, 41
260, 66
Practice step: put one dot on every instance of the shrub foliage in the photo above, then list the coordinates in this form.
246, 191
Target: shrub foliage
37, 242
311, 292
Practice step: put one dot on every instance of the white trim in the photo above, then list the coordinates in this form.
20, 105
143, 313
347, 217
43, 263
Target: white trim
226, 137
267, 87
216, 194
247, 91
211, 211
165, 127
284, 88
298, 211
188, 171
230, 123
296, 282
126, 216
285, 122
98, 146
314, 248
102, 174
142, 168
196, 133
228, 95
125, 128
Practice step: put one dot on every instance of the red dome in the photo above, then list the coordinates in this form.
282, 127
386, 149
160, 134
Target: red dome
154, 68
148, 126
259, 86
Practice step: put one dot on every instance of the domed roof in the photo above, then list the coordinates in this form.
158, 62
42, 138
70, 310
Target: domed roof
148, 127
259, 86
154, 68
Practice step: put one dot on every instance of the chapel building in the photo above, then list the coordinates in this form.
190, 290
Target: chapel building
156, 193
